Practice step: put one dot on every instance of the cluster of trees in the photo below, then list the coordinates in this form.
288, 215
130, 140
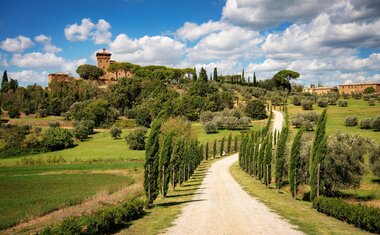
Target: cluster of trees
367, 123
307, 120
230, 119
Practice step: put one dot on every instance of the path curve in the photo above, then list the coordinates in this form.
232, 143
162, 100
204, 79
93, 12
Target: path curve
221, 206
278, 120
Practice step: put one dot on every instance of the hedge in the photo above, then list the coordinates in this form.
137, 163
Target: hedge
364, 217
102, 222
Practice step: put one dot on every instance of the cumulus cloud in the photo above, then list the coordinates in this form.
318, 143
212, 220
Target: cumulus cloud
147, 50
26, 77
192, 31
99, 32
3, 61
46, 41
17, 44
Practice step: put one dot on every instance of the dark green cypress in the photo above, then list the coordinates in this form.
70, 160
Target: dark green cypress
255, 157
281, 157
165, 155
317, 153
254, 79
5, 82
294, 163
177, 154
216, 75
222, 147
206, 151
260, 159
235, 144
214, 149
229, 144
268, 160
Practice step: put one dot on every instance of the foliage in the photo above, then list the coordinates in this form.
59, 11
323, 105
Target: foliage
342, 103
369, 90
89, 72
256, 109
214, 149
374, 161
365, 123
14, 112
56, 138
203, 75
294, 163
221, 150
164, 163
322, 103
371, 102
307, 104
283, 77
210, 127
115, 132
375, 124
281, 157
351, 121
82, 129
136, 138
365, 217
229, 143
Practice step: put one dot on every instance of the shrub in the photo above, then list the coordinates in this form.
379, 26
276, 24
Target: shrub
126, 124
307, 105
365, 217
308, 125
296, 100
371, 102
375, 124
322, 103
54, 124
115, 132
365, 123
14, 113
369, 90
342, 103
210, 127
256, 109
345, 96
374, 161
83, 129
232, 123
130, 113
351, 121
56, 138
311, 116
244, 122
297, 120
143, 117
206, 116
136, 139
356, 96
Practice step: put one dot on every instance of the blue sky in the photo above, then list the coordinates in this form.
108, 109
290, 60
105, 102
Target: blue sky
329, 42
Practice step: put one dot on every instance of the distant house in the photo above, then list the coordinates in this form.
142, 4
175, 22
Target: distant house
104, 61
320, 90
358, 87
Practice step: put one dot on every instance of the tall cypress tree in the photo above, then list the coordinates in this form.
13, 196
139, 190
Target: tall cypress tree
317, 153
241, 152
152, 161
235, 144
222, 147
281, 157
254, 79
260, 159
177, 154
165, 155
5, 82
216, 75
195, 76
206, 151
294, 163
242, 76
229, 143
214, 149
255, 157
268, 160
203, 75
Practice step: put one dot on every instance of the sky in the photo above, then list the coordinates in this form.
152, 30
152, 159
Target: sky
328, 42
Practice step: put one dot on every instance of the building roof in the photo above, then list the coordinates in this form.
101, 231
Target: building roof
324, 87
59, 73
360, 84
104, 52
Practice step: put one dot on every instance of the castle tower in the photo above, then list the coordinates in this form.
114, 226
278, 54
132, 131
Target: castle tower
104, 59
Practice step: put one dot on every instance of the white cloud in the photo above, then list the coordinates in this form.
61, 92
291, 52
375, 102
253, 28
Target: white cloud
98, 32
3, 61
37, 60
17, 44
192, 31
26, 77
46, 41
147, 50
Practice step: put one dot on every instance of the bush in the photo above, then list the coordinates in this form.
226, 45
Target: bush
365, 217
206, 117
136, 139
130, 113
256, 109
232, 123
296, 100
365, 123
371, 102
307, 105
375, 124
115, 132
143, 117
351, 121
374, 161
54, 124
311, 116
83, 129
322, 103
56, 138
14, 113
356, 96
102, 222
210, 127
244, 122
342, 103
126, 124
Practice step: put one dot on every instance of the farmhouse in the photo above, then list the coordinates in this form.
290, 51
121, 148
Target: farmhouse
358, 87
320, 90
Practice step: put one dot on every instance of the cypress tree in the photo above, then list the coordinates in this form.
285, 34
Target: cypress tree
235, 144
251, 157
254, 79
281, 157
201, 153
268, 160
206, 151
246, 154
242, 76
214, 149
165, 155
317, 153
229, 143
175, 160
260, 159
216, 75
210, 76
241, 152
152, 161
195, 76
222, 147
5, 82
294, 163
255, 157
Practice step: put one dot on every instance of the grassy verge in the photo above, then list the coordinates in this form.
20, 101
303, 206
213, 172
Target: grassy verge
165, 210
298, 212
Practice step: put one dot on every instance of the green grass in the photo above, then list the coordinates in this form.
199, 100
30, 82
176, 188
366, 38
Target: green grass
165, 210
337, 115
25, 197
100, 146
298, 212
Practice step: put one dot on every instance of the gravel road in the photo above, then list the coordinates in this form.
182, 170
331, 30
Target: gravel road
221, 206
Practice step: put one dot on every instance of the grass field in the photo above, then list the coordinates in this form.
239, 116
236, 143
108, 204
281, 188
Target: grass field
298, 212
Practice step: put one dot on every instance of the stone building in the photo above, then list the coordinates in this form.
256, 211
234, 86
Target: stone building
358, 87
320, 90
60, 76
104, 61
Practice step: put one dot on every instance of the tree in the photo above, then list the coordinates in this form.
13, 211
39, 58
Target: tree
281, 157
254, 79
115, 132
56, 138
229, 143
203, 75
369, 90
375, 124
82, 129
136, 139
5, 82
206, 151
164, 166
214, 150
195, 74
143, 117
152, 161
268, 160
374, 160
89, 72
221, 153
294, 163
256, 109
216, 75
235, 144
242, 76
283, 77
317, 154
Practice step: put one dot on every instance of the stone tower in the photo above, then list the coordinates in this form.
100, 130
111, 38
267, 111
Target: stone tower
104, 60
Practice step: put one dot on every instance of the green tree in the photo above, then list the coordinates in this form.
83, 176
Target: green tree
283, 77
13, 84
294, 163
164, 165
216, 75
317, 153
136, 138
89, 72
369, 90
206, 151
176, 159
256, 109
5, 82
152, 161
221, 150
214, 150
229, 144
195, 77
281, 157
115, 132
56, 138
254, 79
203, 75
235, 144
242, 76
268, 160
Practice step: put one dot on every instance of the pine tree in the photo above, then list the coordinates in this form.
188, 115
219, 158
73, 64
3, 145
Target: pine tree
152, 161
254, 79
206, 151
229, 143
222, 147
317, 153
281, 157
235, 144
268, 160
294, 163
203, 75
216, 75
5, 82
164, 166
214, 149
